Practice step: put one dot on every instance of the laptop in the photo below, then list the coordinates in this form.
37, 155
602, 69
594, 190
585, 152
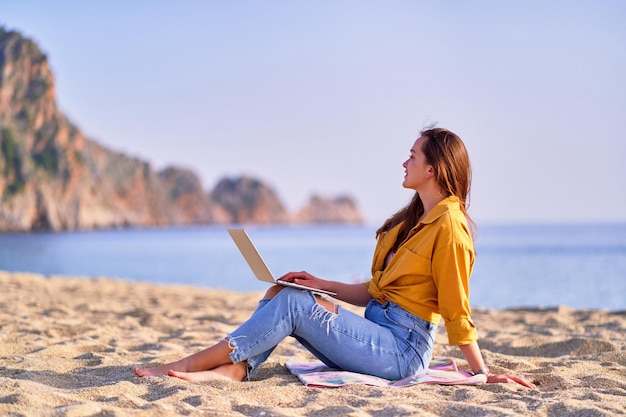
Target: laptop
258, 265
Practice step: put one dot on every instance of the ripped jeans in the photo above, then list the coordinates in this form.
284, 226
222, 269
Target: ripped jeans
388, 342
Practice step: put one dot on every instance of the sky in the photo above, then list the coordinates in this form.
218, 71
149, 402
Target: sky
328, 97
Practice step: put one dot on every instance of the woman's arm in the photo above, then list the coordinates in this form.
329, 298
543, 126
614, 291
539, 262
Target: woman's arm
475, 360
355, 294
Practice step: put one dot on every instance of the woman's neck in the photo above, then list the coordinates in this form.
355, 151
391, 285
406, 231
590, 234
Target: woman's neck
430, 198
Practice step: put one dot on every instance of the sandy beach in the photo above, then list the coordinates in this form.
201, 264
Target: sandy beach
68, 346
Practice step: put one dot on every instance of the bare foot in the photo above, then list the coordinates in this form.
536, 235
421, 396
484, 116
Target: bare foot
208, 359
231, 372
158, 370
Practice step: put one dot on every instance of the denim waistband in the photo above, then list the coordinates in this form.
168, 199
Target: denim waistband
406, 318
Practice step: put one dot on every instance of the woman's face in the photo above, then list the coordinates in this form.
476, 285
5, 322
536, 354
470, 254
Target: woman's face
416, 170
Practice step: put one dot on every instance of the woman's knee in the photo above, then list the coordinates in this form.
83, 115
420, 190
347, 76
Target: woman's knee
273, 291
328, 305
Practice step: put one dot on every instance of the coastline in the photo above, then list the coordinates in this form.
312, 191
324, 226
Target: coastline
68, 347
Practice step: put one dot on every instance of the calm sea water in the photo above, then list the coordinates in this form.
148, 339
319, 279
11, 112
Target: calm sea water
580, 266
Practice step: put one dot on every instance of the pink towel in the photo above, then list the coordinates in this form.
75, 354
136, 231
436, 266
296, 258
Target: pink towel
441, 371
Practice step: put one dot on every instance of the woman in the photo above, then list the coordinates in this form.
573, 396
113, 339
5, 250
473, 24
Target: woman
421, 269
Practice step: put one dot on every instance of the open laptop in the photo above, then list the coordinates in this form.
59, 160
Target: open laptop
258, 265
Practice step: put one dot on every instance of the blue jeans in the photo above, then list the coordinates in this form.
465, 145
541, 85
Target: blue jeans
388, 342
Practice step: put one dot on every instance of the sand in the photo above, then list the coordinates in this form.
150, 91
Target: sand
68, 346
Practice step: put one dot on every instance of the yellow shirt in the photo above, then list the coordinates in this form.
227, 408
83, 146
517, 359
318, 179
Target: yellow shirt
429, 275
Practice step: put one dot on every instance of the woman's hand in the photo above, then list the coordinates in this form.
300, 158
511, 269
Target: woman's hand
356, 294
508, 379
474, 358
304, 278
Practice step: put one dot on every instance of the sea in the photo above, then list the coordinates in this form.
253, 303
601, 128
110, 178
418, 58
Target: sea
580, 266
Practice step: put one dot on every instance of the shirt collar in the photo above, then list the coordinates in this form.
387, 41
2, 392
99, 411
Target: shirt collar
444, 206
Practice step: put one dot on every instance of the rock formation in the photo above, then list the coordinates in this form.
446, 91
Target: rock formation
53, 178
247, 200
341, 209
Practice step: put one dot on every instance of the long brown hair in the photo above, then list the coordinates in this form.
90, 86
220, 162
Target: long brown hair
446, 152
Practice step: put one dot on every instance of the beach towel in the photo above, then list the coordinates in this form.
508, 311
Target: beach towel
441, 371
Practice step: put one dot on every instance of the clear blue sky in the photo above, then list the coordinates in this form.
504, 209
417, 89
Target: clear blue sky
328, 96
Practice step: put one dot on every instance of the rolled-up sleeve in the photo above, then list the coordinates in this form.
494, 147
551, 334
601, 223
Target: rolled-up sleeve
461, 332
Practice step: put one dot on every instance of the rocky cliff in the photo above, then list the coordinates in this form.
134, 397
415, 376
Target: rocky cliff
341, 209
247, 200
53, 178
